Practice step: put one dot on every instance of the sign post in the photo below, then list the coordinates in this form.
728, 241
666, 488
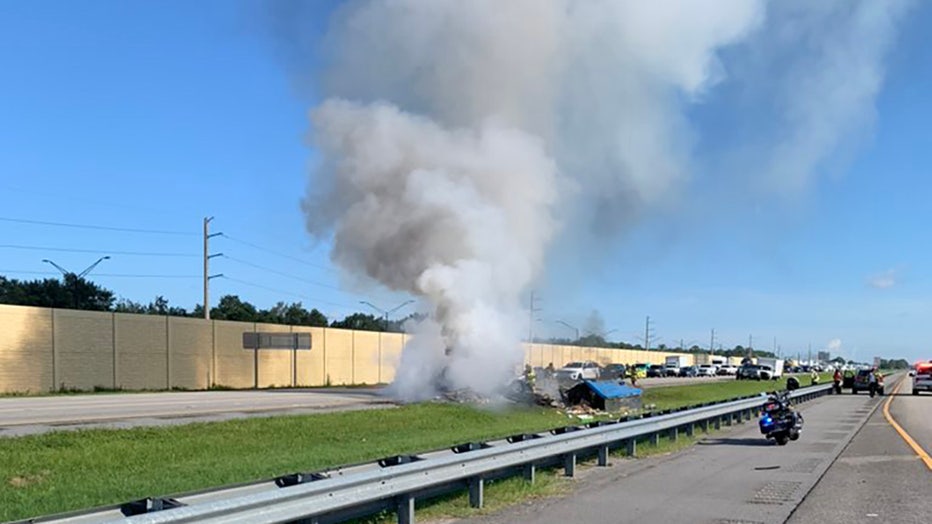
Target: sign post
292, 341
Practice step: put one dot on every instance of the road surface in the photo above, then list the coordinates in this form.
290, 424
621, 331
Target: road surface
31, 415
879, 478
733, 476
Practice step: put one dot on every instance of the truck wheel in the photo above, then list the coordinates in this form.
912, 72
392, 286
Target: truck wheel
915, 392
854, 391
781, 439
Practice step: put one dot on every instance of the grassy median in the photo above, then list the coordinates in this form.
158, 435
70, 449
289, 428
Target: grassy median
667, 397
71, 470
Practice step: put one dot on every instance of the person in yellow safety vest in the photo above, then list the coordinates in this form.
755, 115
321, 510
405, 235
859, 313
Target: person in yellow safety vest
529, 376
814, 375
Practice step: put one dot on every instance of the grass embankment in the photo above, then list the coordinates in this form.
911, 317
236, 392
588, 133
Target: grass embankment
66, 471
667, 397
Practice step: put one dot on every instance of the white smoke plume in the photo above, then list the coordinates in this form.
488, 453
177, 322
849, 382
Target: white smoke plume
457, 137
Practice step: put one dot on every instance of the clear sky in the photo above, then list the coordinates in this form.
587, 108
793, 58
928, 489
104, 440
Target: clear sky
152, 115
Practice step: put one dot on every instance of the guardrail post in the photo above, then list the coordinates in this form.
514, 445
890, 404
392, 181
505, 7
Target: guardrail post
405, 509
569, 464
674, 434
689, 429
603, 455
530, 471
704, 425
717, 423
654, 438
631, 447
476, 489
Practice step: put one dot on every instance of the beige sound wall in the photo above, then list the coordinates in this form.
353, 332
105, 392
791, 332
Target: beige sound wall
141, 349
26, 359
83, 349
44, 349
191, 353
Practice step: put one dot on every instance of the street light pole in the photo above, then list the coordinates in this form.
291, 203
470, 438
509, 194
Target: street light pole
386, 313
82, 274
78, 276
574, 328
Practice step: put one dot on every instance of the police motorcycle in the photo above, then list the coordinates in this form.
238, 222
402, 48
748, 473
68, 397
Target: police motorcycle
779, 421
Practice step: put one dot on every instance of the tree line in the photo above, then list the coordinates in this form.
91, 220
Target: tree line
74, 292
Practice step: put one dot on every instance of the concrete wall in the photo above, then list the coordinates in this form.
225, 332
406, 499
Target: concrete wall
46, 349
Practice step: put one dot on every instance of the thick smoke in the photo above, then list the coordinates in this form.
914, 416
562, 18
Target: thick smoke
457, 137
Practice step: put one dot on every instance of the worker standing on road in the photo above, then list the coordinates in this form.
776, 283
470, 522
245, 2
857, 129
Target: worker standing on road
836, 378
872, 381
633, 374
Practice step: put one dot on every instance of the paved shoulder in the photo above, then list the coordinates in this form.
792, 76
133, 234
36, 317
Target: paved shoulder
878, 478
736, 477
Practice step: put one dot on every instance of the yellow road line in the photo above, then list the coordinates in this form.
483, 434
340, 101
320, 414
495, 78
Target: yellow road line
909, 440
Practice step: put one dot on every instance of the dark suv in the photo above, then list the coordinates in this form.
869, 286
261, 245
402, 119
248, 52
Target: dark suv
862, 382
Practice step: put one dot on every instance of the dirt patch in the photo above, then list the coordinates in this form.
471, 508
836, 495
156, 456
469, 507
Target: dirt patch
24, 481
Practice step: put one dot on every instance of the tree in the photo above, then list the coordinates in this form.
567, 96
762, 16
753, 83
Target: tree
293, 314
360, 321
231, 307
71, 292
125, 305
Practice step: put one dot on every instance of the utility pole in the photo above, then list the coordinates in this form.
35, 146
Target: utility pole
810, 354
530, 323
775, 346
207, 276
647, 333
712, 343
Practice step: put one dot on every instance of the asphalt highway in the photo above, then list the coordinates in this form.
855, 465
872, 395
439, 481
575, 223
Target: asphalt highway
879, 477
729, 477
30, 415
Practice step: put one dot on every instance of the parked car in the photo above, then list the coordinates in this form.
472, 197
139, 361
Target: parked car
671, 370
640, 370
727, 369
862, 382
587, 370
655, 371
614, 372
748, 372
707, 370
689, 371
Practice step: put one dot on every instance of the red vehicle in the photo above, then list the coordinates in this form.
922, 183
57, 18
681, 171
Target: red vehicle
922, 377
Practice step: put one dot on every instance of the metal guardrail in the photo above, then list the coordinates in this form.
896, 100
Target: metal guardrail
397, 482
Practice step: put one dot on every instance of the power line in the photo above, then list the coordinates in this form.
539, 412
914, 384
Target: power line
298, 295
276, 253
270, 270
117, 275
97, 251
97, 227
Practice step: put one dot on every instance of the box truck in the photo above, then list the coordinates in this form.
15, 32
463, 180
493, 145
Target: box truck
771, 368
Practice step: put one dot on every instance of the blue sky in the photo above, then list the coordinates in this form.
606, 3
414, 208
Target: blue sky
152, 115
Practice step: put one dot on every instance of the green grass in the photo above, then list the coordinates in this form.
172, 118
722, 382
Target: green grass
64, 471
669, 397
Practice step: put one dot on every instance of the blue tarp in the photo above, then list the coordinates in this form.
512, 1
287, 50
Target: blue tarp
610, 389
